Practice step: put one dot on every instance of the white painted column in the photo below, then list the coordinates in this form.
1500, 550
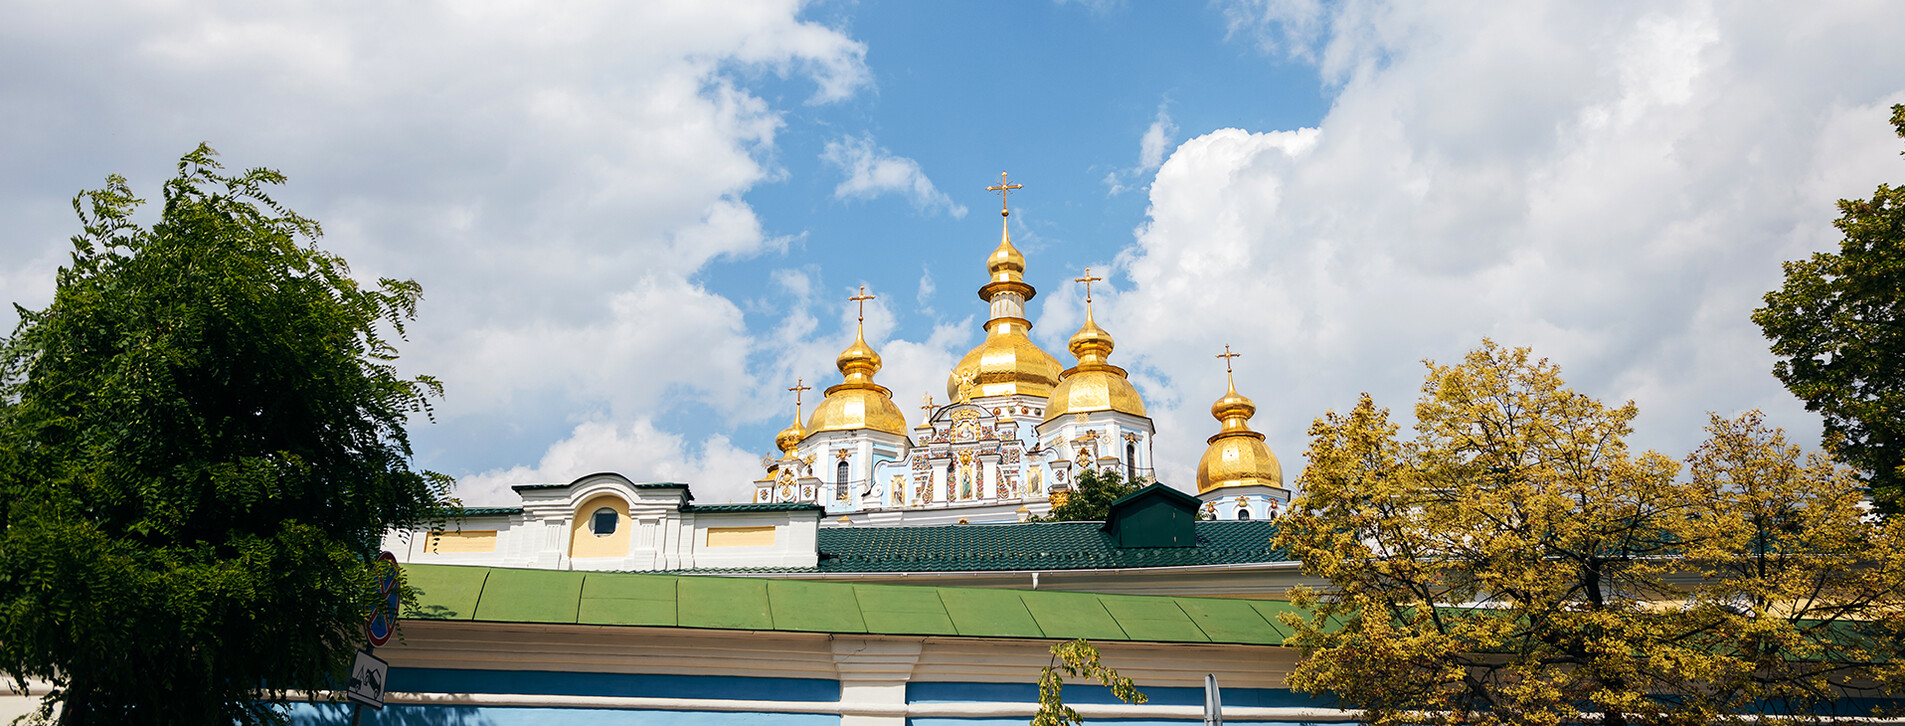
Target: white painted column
873, 676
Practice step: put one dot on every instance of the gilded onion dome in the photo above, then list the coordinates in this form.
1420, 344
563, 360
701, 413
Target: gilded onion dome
1006, 362
857, 402
791, 436
1093, 384
1237, 456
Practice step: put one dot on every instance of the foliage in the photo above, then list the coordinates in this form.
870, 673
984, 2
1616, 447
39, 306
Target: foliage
201, 441
1514, 563
1838, 326
1076, 658
1092, 495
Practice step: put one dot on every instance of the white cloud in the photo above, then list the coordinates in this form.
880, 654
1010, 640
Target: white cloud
715, 470
1615, 187
873, 171
1152, 146
1285, 27
926, 288
554, 176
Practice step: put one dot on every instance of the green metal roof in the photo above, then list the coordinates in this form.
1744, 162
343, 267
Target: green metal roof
1029, 546
637, 485
489, 511
494, 594
772, 507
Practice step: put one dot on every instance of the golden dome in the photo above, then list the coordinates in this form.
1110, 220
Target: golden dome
857, 402
1093, 385
1237, 456
1007, 362
791, 436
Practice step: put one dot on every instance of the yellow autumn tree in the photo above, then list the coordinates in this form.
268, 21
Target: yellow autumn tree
1514, 562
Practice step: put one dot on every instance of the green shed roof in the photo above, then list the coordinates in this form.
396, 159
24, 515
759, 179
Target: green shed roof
494, 594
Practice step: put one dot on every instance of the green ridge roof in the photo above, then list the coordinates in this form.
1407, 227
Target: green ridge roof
1029, 546
497, 594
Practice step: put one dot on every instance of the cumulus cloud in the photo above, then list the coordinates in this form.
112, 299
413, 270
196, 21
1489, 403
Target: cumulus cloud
554, 177
873, 171
715, 470
1280, 27
1614, 186
1152, 146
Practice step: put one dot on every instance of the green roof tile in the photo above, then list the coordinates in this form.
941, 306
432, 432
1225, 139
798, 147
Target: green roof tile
1072, 615
627, 599
532, 596
445, 592
723, 602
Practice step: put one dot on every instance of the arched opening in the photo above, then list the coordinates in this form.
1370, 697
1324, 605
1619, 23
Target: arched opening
1243, 514
1131, 461
600, 528
840, 478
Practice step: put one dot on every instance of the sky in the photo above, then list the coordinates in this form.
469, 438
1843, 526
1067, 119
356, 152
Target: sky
637, 224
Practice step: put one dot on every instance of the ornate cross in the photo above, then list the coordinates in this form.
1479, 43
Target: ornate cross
862, 299
926, 404
1227, 355
799, 386
1004, 189
1088, 280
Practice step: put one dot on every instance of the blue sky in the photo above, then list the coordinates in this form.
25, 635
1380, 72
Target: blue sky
636, 224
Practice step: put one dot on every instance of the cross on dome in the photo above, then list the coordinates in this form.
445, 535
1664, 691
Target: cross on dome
800, 386
1227, 355
1004, 189
1088, 279
862, 299
926, 403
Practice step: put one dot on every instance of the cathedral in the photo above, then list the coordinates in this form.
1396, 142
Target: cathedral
1016, 429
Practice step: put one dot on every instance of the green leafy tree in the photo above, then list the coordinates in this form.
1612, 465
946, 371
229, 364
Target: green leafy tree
1515, 563
201, 441
1838, 326
1092, 494
1078, 659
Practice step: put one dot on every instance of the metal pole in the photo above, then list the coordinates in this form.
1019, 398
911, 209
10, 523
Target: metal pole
1213, 702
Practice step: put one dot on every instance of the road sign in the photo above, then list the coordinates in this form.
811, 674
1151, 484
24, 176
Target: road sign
383, 615
366, 685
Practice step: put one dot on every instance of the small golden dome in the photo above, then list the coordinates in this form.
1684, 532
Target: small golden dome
1094, 384
1237, 455
857, 402
1005, 263
791, 436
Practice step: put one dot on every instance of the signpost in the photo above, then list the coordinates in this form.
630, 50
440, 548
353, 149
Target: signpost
370, 674
1213, 702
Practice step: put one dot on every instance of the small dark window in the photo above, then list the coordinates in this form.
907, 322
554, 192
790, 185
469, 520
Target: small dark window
602, 522
1131, 461
1243, 514
840, 475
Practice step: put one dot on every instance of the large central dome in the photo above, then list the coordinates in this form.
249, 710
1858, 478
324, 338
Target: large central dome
1006, 362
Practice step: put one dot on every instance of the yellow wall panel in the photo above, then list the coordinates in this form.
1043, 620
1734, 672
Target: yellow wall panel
741, 536
585, 543
469, 540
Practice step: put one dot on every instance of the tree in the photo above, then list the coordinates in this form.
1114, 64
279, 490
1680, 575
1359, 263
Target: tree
1091, 498
201, 441
1514, 563
1838, 326
1076, 658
